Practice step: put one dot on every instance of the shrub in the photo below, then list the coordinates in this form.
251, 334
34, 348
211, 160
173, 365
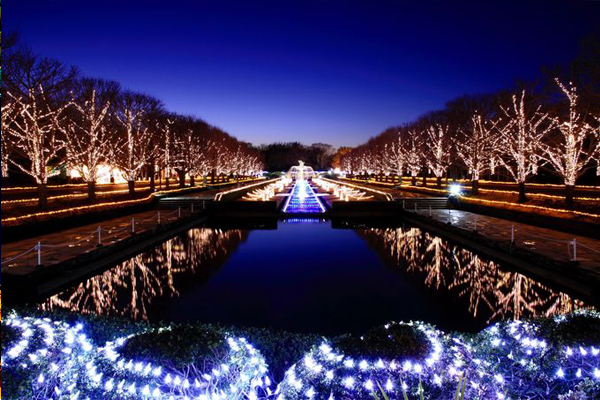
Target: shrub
179, 346
396, 341
9, 335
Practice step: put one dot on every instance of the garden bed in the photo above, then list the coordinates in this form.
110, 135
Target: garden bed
544, 358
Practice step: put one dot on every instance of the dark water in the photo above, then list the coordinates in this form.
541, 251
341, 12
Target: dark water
310, 277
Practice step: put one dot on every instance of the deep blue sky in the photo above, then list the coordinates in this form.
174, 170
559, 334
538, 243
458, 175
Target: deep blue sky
328, 71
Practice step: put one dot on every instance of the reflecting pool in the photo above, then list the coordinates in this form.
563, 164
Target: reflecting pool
306, 276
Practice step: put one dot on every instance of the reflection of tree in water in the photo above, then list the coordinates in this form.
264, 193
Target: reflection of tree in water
489, 289
129, 288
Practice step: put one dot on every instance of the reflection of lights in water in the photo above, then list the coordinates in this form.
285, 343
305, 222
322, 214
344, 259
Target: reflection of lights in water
129, 288
489, 289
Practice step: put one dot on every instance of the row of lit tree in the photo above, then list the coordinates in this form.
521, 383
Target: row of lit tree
514, 132
52, 117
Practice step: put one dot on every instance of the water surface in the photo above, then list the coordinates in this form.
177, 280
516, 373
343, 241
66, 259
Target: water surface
306, 276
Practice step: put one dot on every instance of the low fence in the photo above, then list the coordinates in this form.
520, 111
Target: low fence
514, 237
94, 238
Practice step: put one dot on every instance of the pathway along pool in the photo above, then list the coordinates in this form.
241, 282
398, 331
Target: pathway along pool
306, 276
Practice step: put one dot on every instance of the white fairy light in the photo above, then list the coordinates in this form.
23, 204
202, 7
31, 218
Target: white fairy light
520, 139
577, 142
348, 382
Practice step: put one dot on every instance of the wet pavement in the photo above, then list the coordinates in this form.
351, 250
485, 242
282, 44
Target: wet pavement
21, 257
548, 242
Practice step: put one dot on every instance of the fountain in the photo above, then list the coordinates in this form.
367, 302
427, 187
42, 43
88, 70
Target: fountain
300, 172
303, 198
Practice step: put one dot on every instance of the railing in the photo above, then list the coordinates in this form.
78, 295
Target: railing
96, 236
571, 245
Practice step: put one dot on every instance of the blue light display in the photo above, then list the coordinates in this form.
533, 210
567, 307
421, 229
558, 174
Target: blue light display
303, 200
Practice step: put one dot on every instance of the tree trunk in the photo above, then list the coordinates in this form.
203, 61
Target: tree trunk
152, 182
91, 186
413, 180
151, 173
131, 187
167, 181
181, 178
475, 186
522, 196
439, 181
192, 180
424, 179
42, 190
570, 194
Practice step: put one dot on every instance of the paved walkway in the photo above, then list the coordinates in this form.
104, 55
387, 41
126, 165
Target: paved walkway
548, 242
21, 257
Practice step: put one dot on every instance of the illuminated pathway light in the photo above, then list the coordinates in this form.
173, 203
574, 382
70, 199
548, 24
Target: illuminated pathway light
303, 200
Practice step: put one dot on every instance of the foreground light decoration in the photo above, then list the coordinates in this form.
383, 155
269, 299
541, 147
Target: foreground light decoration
325, 372
241, 375
506, 360
510, 359
58, 361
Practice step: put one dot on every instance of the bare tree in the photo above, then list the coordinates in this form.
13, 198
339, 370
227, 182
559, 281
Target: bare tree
187, 151
86, 138
395, 155
34, 137
575, 146
9, 108
438, 150
164, 127
521, 140
133, 153
476, 147
23, 71
414, 155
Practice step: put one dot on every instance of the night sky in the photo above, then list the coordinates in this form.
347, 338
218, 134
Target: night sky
310, 71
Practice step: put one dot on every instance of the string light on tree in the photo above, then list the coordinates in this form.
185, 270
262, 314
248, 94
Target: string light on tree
576, 145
